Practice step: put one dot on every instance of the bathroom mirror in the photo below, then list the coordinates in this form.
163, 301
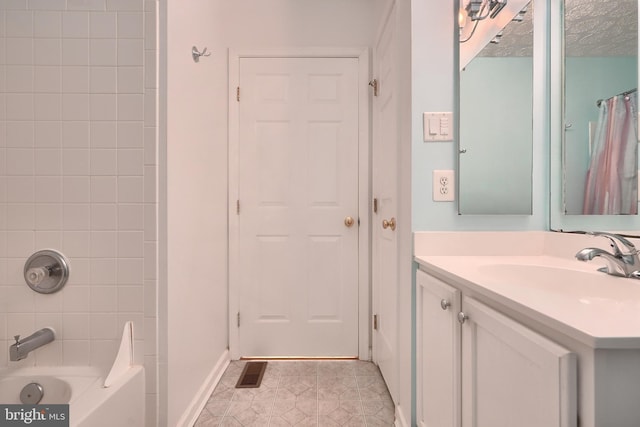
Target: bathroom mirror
496, 108
599, 135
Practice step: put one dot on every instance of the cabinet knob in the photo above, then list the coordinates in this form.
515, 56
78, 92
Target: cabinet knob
445, 304
462, 317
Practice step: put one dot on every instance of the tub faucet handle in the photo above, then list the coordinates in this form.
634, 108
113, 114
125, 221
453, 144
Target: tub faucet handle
17, 338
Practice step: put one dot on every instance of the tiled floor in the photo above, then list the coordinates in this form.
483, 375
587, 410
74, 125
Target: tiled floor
302, 393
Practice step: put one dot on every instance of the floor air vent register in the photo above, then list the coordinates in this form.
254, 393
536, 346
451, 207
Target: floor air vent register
251, 376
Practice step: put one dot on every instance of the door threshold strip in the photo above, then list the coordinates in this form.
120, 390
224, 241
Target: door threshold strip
298, 358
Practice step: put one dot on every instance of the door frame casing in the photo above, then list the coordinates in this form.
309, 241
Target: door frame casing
364, 183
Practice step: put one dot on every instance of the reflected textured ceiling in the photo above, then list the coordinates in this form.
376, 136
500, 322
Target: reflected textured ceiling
592, 28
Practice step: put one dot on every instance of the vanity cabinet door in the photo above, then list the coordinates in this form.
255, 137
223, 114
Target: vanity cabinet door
438, 355
512, 376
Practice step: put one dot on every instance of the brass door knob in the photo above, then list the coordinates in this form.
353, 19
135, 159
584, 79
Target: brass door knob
348, 221
389, 224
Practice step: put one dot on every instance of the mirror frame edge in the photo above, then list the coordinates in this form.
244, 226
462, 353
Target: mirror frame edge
456, 100
556, 110
558, 220
540, 113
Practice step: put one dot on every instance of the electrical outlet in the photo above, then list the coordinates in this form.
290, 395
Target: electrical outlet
443, 186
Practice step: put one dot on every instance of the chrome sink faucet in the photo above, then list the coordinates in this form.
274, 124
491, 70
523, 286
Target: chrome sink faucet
624, 261
23, 347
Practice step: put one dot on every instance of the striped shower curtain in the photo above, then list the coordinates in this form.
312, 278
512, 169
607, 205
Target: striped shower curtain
612, 182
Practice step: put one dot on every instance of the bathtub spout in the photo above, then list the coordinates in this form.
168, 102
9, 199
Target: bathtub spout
23, 347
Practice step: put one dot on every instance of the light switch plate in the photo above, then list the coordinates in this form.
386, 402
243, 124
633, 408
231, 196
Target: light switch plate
437, 127
443, 186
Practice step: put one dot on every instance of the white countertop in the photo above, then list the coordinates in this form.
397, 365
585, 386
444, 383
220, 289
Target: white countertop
560, 292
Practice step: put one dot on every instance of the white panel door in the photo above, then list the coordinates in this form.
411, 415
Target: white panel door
298, 185
385, 188
511, 376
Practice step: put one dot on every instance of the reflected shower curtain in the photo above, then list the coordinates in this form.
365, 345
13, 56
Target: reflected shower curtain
612, 183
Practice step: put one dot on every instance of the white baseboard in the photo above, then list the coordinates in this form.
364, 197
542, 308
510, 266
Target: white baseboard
190, 416
401, 420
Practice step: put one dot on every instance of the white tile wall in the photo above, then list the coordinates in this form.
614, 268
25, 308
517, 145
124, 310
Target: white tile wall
78, 173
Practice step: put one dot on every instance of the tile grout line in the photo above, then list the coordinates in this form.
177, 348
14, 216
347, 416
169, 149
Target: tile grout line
360, 400
275, 397
318, 395
227, 409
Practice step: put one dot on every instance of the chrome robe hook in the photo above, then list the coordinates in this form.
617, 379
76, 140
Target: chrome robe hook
196, 54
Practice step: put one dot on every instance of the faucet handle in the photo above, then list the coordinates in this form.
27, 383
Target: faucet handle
616, 240
17, 338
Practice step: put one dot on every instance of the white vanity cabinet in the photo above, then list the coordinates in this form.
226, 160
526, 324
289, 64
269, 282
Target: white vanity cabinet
438, 353
512, 376
480, 368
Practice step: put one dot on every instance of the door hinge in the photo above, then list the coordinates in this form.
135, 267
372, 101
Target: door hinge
375, 205
375, 322
238, 94
238, 319
374, 84
238, 207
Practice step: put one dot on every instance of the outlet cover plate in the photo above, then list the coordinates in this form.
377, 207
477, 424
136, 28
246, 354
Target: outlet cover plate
443, 186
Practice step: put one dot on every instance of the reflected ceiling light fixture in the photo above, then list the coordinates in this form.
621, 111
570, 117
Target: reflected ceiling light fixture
496, 7
474, 7
462, 20
477, 10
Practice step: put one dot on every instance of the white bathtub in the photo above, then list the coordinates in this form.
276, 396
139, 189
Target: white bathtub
90, 404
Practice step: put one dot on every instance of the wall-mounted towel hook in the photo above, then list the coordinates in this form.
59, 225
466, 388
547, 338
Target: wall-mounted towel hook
196, 54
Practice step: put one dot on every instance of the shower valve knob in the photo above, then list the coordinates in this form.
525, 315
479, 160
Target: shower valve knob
35, 276
46, 271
